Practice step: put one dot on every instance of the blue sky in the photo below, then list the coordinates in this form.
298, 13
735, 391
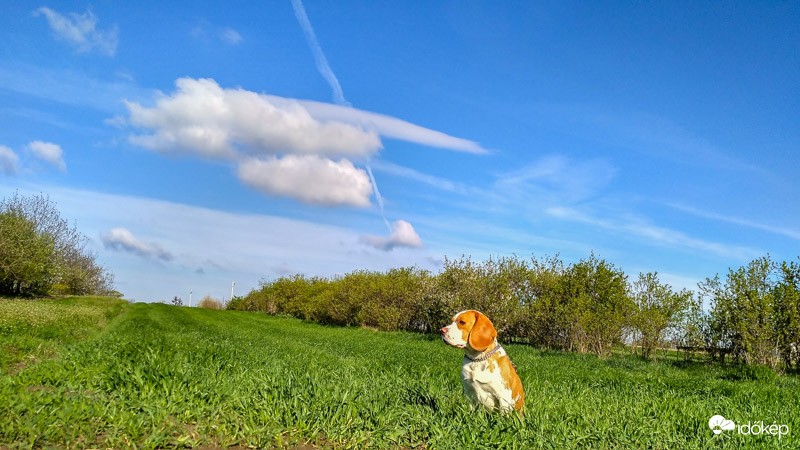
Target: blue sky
197, 144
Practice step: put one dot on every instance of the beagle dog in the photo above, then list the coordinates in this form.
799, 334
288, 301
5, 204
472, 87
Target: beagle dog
487, 374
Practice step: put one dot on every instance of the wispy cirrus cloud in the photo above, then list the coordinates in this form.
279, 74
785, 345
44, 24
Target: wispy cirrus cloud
69, 87
81, 31
556, 179
122, 239
415, 175
230, 36
655, 234
206, 31
788, 232
391, 127
644, 133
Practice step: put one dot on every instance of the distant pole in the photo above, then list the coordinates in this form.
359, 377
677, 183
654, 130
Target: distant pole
232, 285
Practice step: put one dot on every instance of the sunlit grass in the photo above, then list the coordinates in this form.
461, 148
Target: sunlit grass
185, 377
35, 329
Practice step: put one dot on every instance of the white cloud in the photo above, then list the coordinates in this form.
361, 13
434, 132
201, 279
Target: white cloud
390, 127
205, 119
206, 31
402, 235
80, 30
49, 153
282, 147
309, 178
9, 161
230, 36
258, 123
123, 240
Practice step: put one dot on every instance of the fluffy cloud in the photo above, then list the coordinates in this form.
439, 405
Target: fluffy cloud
402, 235
9, 161
122, 239
203, 118
309, 178
287, 147
49, 153
80, 30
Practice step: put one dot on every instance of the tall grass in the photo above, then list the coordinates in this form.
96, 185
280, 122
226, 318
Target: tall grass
165, 376
31, 330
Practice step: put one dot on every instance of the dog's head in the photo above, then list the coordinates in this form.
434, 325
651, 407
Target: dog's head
470, 329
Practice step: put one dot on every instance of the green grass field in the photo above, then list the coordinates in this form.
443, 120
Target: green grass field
104, 374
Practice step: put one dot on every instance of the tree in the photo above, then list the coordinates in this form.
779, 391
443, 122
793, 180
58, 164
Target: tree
35, 231
658, 308
694, 330
26, 263
596, 302
744, 315
787, 309
546, 326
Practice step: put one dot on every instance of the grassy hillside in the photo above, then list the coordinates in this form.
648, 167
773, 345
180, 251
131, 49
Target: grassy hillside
163, 376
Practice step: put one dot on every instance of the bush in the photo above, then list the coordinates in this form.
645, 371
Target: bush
754, 312
210, 303
658, 309
586, 307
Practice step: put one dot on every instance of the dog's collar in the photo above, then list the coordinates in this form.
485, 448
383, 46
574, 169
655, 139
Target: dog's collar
484, 356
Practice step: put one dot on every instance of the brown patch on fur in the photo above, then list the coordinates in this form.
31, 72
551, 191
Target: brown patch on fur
510, 379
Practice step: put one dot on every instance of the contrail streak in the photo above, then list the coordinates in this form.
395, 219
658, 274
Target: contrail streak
338, 95
322, 62
378, 196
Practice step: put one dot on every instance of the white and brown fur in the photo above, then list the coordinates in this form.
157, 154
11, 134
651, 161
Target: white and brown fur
487, 374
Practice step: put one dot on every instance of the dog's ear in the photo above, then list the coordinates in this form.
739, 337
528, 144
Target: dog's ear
482, 334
